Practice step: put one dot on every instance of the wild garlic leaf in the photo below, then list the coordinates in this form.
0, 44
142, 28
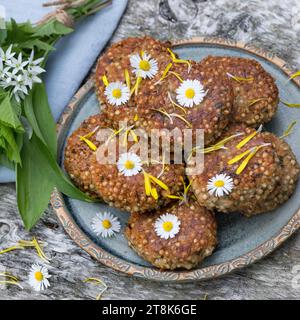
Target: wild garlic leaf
61, 181
51, 28
4, 161
37, 45
38, 113
36, 179
12, 148
8, 115
3, 35
33, 182
18, 33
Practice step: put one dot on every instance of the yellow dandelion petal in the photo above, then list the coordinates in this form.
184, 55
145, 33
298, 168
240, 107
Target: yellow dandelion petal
8, 276
97, 281
252, 153
239, 79
172, 54
164, 113
290, 105
136, 117
125, 137
147, 184
176, 60
134, 136
39, 250
158, 182
105, 81
176, 75
127, 79
15, 283
136, 86
176, 104
89, 143
154, 193
249, 138
165, 73
239, 157
254, 101
10, 249
171, 196
295, 75
289, 130
225, 140
243, 165
181, 118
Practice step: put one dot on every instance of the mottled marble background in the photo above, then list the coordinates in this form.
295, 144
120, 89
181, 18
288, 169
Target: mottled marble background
270, 24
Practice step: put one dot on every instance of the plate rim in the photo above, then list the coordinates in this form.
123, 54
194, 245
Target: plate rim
151, 273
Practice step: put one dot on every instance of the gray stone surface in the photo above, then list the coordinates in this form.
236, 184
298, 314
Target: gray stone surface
270, 24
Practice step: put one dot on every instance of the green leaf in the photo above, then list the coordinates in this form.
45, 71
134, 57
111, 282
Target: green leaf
3, 35
36, 179
36, 43
5, 162
38, 113
18, 32
12, 147
8, 115
51, 28
32, 184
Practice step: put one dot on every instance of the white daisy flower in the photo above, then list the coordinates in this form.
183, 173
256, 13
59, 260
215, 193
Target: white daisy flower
105, 224
167, 226
143, 65
38, 277
190, 92
220, 185
117, 93
129, 164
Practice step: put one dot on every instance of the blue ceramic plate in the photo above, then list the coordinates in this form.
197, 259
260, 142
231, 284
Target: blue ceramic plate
241, 241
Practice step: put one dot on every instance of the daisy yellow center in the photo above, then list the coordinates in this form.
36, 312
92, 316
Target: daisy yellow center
145, 65
219, 183
190, 93
106, 224
38, 276
117, 93
168, 226
129, 165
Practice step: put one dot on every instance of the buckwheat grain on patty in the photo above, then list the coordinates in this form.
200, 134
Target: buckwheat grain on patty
113, 64
243, 191
129, 192
157, 109
256, 93
289, 175
78, 153
196, 239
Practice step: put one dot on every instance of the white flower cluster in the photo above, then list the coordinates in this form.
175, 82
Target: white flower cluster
19, 75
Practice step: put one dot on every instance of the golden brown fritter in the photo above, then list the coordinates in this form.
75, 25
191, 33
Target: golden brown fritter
252, 186
212, 114
113, 64
128, 192
289, 175
195, 240
256, 96
77, 152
